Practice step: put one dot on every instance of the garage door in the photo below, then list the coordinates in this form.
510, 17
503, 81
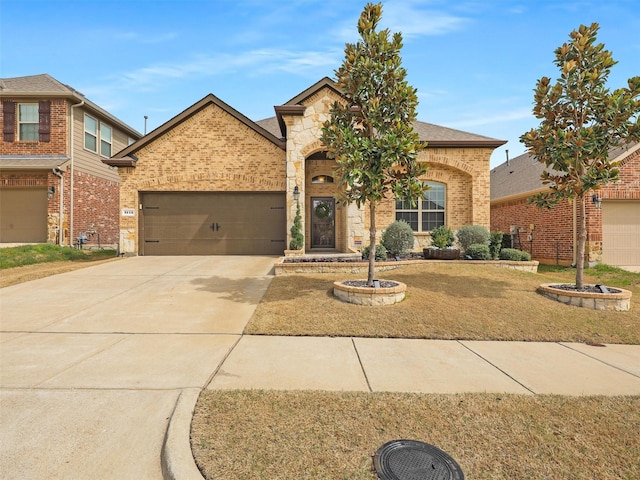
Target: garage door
199, 223
621, 233
23, 215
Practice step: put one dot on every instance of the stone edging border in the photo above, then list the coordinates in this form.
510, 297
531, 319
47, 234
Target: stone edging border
369, 296
293, 268
596, 301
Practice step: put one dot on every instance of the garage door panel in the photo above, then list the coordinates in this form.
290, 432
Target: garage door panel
198, 223
23, 215
621, 233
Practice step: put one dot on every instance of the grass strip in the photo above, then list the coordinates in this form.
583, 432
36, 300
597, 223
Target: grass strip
309, 435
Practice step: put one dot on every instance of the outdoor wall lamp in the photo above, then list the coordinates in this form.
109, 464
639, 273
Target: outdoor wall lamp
51, 192
296, 193
597, 201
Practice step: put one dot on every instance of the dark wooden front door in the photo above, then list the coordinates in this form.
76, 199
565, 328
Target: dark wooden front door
323, 222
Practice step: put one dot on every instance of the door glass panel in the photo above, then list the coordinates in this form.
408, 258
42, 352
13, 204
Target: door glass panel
323, 232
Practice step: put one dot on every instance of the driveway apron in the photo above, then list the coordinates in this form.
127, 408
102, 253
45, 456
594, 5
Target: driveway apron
92, 361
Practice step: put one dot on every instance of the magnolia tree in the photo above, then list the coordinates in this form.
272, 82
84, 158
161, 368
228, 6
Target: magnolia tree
581, 120
370, 135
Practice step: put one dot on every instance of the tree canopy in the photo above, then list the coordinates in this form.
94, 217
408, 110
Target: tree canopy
581, 121
370, 135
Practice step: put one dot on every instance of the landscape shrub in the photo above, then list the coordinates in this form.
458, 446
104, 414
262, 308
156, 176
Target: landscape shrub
381, 253
473, 234
297, 238
495, 244
398, 238
478, 251
514, 255
442, 237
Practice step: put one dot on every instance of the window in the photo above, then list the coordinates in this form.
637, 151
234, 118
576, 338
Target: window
105, 140
322, 179
428, 213
28, 122
90, 133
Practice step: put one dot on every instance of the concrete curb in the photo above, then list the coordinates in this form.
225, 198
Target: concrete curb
176, 457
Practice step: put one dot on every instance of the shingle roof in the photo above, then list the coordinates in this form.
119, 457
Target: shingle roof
520, 176
35, 162
44, 85
434, 135
35, 84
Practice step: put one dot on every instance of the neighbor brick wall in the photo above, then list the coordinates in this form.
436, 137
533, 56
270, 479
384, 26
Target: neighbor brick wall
554, 230
96, 207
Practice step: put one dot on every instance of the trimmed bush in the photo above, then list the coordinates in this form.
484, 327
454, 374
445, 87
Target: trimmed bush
442, 237
495, 244
473, 234
514, 255
297, 238
478, 251
381, 253
398, 238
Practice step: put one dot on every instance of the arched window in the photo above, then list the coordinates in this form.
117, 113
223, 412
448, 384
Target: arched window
322, 179
426, 214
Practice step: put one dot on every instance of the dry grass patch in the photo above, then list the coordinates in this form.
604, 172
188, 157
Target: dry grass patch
309, 435
444, 301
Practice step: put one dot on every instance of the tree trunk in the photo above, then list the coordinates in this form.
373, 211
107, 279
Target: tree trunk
372, 243
582, 241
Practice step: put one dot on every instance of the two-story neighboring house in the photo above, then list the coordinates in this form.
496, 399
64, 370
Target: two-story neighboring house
54, 186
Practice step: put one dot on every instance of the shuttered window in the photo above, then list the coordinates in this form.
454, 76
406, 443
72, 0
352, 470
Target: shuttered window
28, 122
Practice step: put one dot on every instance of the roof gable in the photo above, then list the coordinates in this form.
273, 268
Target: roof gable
126, 157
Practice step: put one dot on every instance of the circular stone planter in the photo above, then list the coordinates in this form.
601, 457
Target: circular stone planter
370, 296
618, 300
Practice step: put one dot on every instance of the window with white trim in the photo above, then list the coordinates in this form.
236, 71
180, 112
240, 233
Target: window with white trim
426, 214
90, 133
28, 122
105, 140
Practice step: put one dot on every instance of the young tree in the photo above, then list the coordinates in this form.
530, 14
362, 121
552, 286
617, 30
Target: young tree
581, 120
371, 134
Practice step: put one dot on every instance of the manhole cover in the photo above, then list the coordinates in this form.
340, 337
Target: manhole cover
412, 460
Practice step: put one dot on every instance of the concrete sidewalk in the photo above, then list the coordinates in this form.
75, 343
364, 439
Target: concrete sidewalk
398, 365
100, 368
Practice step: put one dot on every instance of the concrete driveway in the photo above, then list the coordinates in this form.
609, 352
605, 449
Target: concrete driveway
92, 362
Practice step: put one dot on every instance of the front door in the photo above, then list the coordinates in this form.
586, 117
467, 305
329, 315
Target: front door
323, 223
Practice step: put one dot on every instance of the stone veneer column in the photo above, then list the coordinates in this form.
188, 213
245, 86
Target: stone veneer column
295, 174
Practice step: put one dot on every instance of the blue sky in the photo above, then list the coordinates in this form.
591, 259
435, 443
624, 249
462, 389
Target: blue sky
474, 63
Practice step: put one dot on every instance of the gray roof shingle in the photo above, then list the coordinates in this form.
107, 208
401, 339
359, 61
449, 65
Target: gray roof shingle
521, 175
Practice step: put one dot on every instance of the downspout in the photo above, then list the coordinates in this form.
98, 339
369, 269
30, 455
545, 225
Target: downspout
71, 183
58, 173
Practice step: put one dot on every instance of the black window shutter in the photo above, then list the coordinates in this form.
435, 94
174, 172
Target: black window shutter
44, 110
9, 127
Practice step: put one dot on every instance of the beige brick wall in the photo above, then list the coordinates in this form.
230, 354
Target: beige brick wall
210, 151
465, 173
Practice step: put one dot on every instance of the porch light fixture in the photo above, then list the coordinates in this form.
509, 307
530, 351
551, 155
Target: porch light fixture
296, 193
51, 192
597, 201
